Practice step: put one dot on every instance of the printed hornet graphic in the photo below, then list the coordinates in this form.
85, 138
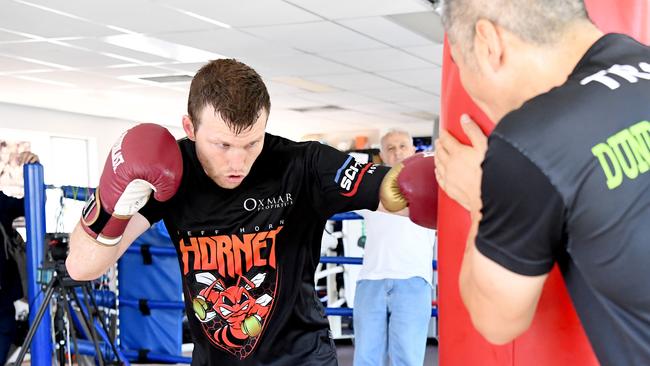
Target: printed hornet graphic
244, 315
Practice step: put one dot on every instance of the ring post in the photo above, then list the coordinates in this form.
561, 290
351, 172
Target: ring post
41, 349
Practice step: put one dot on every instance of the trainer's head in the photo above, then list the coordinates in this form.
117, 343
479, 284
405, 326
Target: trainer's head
228, 107
509, 51
396, 145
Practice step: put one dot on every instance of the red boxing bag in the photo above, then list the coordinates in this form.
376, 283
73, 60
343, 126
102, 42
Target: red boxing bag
556, 336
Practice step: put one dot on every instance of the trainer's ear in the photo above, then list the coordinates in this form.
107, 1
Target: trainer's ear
188, 126
488, 46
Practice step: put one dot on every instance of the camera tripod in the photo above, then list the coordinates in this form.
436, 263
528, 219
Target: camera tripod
61, 287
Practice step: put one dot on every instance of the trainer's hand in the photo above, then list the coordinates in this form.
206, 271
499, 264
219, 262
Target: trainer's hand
27, 157
412, 183
458, 166
146, 158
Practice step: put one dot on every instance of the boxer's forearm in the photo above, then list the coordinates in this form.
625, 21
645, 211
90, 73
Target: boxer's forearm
88, 259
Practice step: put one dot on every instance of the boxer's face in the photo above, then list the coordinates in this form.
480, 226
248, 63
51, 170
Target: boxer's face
226, 157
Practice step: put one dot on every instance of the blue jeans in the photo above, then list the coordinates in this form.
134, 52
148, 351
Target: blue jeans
391, 320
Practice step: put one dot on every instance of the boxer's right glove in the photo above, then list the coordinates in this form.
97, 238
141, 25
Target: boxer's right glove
145, 158
413, 183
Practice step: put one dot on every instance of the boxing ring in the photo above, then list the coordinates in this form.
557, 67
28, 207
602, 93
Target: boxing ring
42, 346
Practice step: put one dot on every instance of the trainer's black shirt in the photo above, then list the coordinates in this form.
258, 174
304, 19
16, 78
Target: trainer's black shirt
566, 180
248, 255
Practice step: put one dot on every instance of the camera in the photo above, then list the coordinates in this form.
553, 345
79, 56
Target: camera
56, 251
56, 246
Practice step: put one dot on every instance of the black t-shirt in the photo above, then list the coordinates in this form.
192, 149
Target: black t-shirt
248, 255
566, 180
10, 285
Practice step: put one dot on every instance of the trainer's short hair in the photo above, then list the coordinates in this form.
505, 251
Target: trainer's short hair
394, 131
536, 21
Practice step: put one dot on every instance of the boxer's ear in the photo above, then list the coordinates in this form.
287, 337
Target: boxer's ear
188, 126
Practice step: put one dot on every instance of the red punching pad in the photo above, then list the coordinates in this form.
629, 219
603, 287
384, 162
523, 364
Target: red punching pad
556, 336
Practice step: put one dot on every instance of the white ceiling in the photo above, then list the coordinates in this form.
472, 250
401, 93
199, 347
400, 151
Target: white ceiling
87, 56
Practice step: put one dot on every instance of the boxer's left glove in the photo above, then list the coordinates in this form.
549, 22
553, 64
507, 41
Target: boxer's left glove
413, 183
145, 158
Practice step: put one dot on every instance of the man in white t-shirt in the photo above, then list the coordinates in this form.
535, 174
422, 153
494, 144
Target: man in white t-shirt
392, 303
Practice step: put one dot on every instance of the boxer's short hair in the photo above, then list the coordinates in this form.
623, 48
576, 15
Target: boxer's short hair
234, 89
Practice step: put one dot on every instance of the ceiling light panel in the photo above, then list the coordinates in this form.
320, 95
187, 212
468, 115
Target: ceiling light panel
278, 89
426, 23
84, 80
386, 31
318, 37
28, 19
161, 48
246, 13
299, 65
42, 80
100, 46
383, 59
343, 9
404, 94
186, 67
136, 15
229, 42
431, 53
432, 88
356, 81
381, 108
432, 105
6, 36
12, 65
127, 70
416, 77
57, 54
304, 84
290, 102
168, 79
338, 98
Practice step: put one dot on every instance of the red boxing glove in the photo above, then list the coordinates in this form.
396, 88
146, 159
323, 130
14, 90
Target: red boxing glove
145, 158
413, 183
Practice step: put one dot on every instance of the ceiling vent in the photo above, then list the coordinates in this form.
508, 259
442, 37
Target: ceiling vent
163, 79
323, 108
428, 116
425, 23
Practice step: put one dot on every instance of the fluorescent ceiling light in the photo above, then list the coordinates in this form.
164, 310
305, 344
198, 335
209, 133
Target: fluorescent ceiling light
39, 62
158, 47
23, 72
121, 30
26, 35
199, 17
304, 84
45, 8
45, 81
123, 58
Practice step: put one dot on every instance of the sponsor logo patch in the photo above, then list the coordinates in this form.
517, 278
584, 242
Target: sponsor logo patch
350, 175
